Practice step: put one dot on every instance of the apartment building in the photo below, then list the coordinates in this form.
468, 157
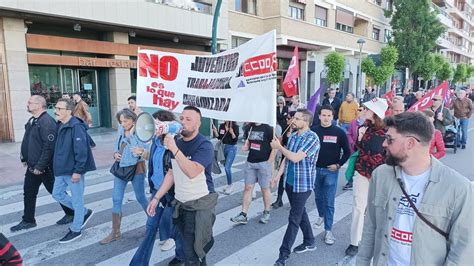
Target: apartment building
316, 27
49, 47
457, 43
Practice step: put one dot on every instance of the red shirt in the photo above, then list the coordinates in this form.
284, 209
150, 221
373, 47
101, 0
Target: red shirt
437, 145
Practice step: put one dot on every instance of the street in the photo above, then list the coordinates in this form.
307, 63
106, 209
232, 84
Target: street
249, 244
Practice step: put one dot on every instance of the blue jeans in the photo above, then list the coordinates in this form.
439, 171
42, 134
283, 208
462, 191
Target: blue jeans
229, 153
325, 194
164, 221
297, 219
138, 184
462, 132
345, 127
75, 201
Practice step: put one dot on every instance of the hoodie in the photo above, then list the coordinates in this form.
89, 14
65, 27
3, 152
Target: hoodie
72, 153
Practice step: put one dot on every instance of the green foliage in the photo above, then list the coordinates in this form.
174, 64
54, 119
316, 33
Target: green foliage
380, 74
470, 72
415, 31
460, 74
445, 72
335, 64
428, 68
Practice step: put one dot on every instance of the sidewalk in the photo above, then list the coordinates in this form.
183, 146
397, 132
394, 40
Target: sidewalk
12, 171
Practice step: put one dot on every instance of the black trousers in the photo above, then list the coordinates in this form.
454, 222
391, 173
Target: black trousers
186, 225
30, 192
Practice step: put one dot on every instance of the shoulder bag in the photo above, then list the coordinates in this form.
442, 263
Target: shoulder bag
125, 173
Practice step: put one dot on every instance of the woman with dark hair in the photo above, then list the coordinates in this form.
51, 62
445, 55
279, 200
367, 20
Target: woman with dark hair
370, 137
128, 151
159, 162
282, 112
228, 133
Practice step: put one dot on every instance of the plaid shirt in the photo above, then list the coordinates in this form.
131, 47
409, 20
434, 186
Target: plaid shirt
304, 170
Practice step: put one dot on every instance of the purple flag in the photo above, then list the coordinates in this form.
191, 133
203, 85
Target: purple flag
313, 101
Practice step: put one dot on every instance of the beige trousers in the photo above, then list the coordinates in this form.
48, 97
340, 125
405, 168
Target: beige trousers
360, 191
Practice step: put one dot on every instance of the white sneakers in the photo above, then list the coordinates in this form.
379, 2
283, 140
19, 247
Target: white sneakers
228, 189
319, 223
167, 244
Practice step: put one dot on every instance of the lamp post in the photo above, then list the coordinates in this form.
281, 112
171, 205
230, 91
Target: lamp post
359, 89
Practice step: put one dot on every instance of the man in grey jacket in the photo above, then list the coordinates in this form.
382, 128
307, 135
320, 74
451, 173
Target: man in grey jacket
394, 234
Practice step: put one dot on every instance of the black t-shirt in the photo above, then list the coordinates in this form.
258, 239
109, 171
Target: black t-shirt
199, 150
227, 136
260, 138
332, 139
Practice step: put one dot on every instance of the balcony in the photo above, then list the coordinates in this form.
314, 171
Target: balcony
443, 43
445, 20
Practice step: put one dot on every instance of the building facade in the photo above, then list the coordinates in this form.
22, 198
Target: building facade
49, 47
317, 27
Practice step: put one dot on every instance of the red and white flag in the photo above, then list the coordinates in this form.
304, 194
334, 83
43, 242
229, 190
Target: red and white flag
289, 84
427, 101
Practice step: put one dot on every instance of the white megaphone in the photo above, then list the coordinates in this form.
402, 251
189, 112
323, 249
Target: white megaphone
146, 127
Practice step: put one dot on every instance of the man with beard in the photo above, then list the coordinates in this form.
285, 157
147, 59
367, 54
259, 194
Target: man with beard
195, 197
299, 167
432, 226
37, 150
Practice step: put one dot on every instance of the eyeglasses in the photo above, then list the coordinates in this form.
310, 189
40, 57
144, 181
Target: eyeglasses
390, 140
436, 100
59, 108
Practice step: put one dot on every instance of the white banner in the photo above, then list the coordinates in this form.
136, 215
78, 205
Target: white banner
237, 85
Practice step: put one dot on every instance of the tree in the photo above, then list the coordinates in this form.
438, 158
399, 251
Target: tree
380, 74
335, 67
470, 72
445, 72
415, 31
428, 68
460, 74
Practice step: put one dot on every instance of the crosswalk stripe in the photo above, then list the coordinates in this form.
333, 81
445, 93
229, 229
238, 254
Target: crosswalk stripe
267, 254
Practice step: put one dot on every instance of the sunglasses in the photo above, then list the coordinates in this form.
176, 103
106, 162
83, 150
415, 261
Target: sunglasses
360, 109
436, 100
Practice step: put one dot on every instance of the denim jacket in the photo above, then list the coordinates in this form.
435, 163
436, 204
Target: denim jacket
128, 159
447, 203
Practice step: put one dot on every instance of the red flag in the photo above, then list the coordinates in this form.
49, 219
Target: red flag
289, 84
389, 97
448, 97
426, 101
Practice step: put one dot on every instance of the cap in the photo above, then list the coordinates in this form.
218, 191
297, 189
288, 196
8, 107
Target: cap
378, 106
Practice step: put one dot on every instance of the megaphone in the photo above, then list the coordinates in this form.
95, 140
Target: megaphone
146, 127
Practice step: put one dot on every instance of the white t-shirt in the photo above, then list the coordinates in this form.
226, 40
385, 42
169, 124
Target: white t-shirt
402, 230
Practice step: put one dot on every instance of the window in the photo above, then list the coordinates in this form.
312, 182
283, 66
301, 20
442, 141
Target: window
46, 81
378, 2
246, 6
375, 34
389, 5
296, 12
237, 41
387, 36
344, 20
320, 17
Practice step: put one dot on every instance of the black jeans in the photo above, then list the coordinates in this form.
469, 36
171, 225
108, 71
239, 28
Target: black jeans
186, 225
298, 218
30, 192
281, 187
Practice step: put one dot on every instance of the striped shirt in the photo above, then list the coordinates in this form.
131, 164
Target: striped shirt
304, 170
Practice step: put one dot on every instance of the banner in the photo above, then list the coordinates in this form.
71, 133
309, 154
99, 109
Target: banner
237, 85
426, 101
289, 84
313, 101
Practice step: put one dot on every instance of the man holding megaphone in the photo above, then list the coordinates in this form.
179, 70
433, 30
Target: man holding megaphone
195, 197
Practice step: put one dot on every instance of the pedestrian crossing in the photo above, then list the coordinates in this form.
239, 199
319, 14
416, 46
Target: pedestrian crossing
40, 246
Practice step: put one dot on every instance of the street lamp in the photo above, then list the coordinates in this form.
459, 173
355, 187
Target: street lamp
359, 89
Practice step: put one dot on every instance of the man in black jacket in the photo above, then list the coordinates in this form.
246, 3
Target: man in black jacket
36, 155
334, 102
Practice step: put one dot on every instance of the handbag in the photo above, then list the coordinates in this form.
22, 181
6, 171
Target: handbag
412, 205
351, 166
126, 173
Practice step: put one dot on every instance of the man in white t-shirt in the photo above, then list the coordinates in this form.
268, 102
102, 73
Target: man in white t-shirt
394, 234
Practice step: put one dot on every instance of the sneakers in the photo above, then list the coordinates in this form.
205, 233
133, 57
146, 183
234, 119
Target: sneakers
22, 226
240, 219
175, 261
70, 236
303, 248
228, 189
65, 220
319, 223
329, 238
463, 146
347, 186
281, 261
265, 217
87, 217
352, 250
168, 244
